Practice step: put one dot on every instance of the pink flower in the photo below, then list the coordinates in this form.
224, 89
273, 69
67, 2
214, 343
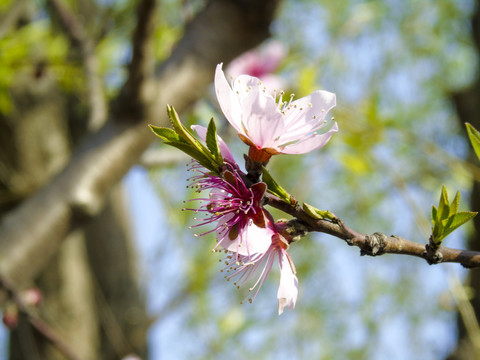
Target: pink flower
261, 63
272, 126
242, 269
241, 222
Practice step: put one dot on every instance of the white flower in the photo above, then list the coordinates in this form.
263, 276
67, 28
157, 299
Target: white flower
272, 126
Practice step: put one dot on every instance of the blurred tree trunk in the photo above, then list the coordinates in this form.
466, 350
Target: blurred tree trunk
63, 225
91, 295
467, 103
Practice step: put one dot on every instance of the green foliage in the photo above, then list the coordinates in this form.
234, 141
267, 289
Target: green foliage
446, 217
316, 213
474, 136
30, 46
180, 137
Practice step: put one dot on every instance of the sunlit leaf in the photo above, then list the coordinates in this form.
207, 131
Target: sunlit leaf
455, 221
317, 213
474, 136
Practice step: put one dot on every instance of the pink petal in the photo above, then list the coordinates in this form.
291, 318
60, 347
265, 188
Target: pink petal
288, 289
272, 55
224, 150
310, 110
310, 143
244, 83
262, 119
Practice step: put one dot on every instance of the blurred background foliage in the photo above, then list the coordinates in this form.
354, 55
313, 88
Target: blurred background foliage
393, 66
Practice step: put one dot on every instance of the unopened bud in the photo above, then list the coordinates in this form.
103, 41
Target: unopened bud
10, 316
31, 297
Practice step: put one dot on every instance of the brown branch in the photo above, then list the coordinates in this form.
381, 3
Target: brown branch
79, 36
378, 243
135, 93
32, 232
41, 326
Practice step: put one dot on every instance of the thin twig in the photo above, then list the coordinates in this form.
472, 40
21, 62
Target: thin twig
41, 326
134, 93
79, 36
378, 243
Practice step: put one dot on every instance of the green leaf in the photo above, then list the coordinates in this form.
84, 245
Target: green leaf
474, 136
455, 221
316, 213
166, 134
443, 206
434, 214
211, 140
454, 204
274, 188
179, 128
185, 141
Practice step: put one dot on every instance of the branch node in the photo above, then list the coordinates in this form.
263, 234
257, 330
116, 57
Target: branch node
374, 245
85, 203
293, 229
432, 255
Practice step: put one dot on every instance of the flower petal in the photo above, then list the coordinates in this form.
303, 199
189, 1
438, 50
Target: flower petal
314, 106
312, 142
229, 103
288, 289
250, 240
262, 119
225, 151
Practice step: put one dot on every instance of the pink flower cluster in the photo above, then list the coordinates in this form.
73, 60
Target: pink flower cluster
244, 229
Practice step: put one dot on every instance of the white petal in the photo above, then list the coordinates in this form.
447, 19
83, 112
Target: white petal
245, 83
288, 289
309, 143
309, 112
262, 119
250, 240
229, 102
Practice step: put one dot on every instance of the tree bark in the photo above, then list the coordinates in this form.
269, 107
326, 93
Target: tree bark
63, 227
467, 103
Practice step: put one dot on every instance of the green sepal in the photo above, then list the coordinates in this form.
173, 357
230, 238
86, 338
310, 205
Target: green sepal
274, 188
316, 213
474, 136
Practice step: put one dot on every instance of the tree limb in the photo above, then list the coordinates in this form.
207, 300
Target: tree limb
41, 326
135, 94
378, 243
79, 36
32, 232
